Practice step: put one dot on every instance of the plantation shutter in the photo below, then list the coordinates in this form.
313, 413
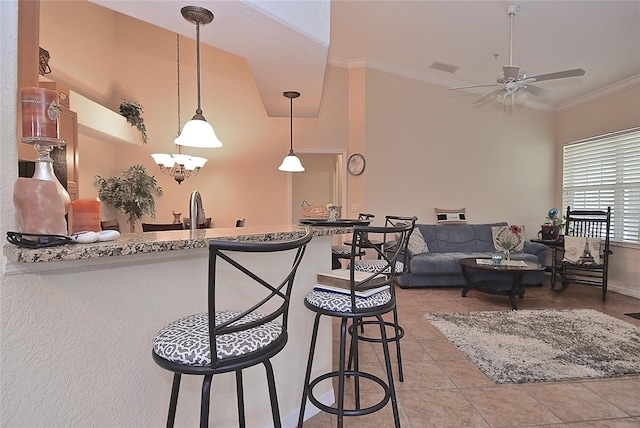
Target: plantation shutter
604, 171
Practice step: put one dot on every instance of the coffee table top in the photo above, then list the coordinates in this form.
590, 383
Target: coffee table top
485, 263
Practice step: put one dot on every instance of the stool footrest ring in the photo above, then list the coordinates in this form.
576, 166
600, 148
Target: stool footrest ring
361, 322
349, 412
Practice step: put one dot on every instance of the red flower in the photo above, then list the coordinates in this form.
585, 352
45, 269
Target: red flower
515, 229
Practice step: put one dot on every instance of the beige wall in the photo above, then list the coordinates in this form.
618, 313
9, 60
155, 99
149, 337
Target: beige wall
429, 148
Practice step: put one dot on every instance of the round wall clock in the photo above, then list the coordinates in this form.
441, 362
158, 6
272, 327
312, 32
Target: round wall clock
356, 164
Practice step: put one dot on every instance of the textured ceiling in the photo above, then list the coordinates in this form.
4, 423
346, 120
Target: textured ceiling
286, 43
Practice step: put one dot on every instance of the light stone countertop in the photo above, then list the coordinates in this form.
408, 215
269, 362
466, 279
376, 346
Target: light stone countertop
156, 242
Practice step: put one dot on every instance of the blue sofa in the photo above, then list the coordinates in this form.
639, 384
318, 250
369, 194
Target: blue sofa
448, 244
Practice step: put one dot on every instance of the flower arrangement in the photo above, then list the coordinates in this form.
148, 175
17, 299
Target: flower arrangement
133, 112
333, 212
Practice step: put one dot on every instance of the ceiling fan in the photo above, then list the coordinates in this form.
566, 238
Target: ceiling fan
512, 78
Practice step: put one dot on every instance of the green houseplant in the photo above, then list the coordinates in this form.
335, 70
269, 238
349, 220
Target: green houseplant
133, 112
132, 193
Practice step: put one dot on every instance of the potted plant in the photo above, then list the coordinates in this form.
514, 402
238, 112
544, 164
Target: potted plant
132, 193
133, 112
550, 230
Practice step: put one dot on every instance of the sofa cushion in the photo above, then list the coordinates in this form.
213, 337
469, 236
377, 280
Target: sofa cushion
416, 242
439, 263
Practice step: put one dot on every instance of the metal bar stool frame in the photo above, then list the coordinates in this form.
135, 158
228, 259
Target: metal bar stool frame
238, 321
387, 246
351, 307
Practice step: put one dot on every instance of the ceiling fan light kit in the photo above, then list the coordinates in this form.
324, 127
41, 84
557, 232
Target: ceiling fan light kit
513, 80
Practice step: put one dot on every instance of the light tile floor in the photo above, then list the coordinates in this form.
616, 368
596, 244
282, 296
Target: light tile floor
444, 389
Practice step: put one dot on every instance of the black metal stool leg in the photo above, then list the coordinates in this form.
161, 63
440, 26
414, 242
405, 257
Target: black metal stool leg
240, 396
356, 367
204, 405
307, 377
275, 412
387, 361
341, 371
397, 336
175, 389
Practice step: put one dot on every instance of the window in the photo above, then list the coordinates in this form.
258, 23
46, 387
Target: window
604, 171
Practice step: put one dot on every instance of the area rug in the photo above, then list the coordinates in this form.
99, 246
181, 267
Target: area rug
543, 345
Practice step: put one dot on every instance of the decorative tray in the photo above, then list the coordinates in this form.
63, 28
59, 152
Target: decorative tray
341, 222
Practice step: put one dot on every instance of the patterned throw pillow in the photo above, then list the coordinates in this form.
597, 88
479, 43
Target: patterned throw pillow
509, 238
448, 216
582, 251
417, 245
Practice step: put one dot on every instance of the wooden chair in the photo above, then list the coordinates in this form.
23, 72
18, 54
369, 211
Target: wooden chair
156, 227
110, 225
584, 260
223, 341
205, 225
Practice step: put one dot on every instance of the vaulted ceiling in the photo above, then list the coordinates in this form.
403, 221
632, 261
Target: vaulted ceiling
288, 44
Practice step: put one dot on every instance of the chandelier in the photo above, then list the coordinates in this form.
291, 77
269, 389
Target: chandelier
178, 165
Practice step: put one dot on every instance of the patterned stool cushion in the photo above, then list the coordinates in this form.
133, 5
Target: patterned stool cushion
338, 302
186, 341
342, 250
375, 265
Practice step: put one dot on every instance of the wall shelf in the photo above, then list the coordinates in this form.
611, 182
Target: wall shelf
101, 123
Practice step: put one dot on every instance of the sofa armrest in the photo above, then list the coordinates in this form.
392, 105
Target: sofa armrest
538, 249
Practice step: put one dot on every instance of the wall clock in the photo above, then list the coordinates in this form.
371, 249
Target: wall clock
356, 164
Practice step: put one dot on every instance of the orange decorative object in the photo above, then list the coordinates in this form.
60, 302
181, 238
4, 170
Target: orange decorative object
40, 111
85, 215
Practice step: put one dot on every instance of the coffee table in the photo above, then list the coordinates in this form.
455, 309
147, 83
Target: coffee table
511, 285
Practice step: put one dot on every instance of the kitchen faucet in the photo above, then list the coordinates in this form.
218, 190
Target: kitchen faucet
196, 212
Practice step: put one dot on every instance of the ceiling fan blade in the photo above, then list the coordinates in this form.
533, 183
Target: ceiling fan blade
534, 90
489, 95
510, 72
558, 75
472, 86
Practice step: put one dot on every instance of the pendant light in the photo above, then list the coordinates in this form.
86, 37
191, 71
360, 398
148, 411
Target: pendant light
178, 165
198, 132
291, 163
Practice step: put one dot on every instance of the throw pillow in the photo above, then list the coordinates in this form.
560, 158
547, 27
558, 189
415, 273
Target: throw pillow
582, 251
417, 245
450, 216
508, 238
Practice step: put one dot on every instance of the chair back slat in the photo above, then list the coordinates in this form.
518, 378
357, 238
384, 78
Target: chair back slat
271, 296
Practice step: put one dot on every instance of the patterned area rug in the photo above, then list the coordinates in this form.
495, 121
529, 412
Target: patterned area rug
543, 345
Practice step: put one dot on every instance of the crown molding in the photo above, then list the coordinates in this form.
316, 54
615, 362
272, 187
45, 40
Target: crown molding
451, 83
607, 91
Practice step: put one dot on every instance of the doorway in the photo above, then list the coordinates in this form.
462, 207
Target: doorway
321, 183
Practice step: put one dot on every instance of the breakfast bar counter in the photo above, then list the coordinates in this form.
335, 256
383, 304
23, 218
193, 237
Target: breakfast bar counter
83, 317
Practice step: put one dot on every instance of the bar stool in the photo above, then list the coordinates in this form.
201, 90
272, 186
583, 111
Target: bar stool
360, 299
401, 267
241, 338
339, 252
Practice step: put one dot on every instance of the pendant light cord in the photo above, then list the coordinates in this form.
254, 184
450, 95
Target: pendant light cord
178, 74
291, 123
199, 110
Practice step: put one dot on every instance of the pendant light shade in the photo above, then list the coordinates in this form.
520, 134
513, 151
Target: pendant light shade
291, 163
197, 132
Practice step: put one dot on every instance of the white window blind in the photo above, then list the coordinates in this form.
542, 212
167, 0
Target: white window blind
604, 171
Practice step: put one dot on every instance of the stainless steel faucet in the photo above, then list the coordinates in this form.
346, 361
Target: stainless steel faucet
196, 212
